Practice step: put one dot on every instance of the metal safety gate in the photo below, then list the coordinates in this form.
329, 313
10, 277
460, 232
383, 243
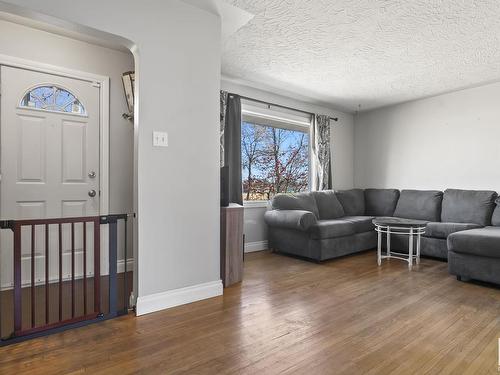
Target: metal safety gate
71, 289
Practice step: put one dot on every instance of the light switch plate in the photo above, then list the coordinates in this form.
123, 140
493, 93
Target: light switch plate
160, 139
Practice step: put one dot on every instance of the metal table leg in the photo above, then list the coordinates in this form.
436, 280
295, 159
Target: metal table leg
388, 241
379, 248
418, 247
410, 250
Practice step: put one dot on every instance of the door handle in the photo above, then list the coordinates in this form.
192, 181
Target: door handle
92, 193
92, 174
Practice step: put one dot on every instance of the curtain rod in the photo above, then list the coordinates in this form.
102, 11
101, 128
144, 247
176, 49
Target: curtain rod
279, 105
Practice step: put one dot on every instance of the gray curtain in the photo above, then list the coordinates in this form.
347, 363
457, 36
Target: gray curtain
223, 106
232, 146
321, 153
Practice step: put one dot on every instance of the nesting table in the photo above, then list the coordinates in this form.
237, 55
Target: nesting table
398, 226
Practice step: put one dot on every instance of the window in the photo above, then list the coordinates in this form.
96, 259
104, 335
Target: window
52, 98
275, 157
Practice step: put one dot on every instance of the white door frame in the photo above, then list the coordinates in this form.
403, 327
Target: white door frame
103, 82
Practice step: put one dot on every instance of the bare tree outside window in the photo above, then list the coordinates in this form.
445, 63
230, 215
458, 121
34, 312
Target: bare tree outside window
274, 160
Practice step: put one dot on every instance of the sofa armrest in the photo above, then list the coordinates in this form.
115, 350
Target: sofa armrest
290, 219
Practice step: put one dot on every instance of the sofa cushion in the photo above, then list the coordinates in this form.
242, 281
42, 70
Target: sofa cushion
443, 230
381, 202
434, 247
468, 206
331, 229
299, 201
361, 223
482, 242
419, 204
353, 201
495, 219
328, 205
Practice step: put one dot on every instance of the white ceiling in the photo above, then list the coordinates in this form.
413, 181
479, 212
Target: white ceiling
364, 54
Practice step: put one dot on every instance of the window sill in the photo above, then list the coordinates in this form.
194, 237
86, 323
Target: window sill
255, 204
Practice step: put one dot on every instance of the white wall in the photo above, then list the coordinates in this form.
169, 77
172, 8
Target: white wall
342, 143
447, 141
177, 50
255, 229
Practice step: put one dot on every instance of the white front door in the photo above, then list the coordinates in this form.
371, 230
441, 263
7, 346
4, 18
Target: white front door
49, 158
49, 152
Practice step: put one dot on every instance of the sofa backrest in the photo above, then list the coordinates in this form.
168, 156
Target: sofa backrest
298, 201
495, 219
328, 205
454, 205
353, 201
381, 202
468, 206
419, 205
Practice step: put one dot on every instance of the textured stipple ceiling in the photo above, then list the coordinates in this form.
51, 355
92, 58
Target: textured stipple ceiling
364, 54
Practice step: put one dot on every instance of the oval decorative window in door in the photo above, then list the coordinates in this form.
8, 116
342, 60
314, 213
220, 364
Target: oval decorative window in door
52, 98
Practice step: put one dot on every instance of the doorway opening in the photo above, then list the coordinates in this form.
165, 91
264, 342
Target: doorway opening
67, 180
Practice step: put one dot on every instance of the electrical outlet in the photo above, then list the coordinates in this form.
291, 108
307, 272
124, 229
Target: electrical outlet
160, 139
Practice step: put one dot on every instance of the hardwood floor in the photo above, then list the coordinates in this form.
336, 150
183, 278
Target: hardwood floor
7, 302
346, 316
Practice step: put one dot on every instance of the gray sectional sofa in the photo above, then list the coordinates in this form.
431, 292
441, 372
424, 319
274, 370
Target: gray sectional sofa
463, 225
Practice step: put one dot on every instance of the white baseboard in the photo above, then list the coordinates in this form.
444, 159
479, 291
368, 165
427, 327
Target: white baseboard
176, 297
250, 247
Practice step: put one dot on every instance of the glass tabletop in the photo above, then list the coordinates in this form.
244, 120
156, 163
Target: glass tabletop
399, 222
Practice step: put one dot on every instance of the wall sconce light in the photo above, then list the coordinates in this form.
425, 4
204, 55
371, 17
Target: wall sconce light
128, 79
